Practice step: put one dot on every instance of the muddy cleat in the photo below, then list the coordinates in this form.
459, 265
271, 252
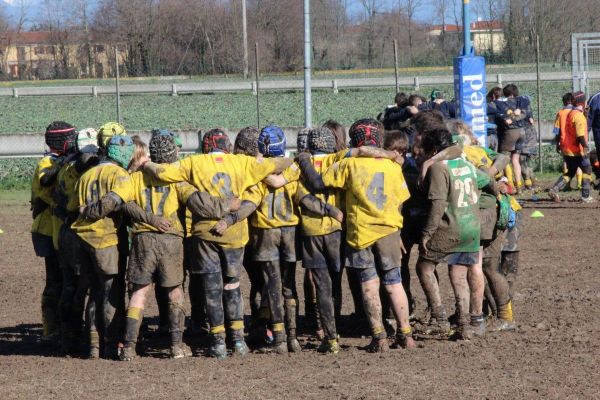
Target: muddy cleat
179, 351
218, 349
274, 348
478, 325
438, 327
404, 340
501, 325
378, 345
293, 345
588, 200
553, 194
463, 332
329, 346
240, 348
127, 354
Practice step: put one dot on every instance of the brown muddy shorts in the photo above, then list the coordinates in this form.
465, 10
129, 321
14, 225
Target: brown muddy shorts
156, 257
492, 248
209, 257
275, 244
512, 140
384, 254
324, 251
103, 261
487, 219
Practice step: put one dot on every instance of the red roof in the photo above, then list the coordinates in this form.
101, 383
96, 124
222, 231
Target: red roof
475, 26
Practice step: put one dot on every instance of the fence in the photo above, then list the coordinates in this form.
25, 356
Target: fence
271, 85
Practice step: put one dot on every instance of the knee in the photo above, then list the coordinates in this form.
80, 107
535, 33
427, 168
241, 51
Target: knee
231, 283
176, 295
367, 274
391, 277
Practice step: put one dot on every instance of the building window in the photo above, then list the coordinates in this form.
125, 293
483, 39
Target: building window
38, 50
99, 48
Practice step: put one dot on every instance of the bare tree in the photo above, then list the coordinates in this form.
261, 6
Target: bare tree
410, 7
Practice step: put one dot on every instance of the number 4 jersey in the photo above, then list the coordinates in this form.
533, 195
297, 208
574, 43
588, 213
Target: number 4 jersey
458, 182
375, 190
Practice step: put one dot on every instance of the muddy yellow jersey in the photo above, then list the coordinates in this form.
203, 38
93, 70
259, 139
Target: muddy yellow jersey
66, 180
277, 207
477, 156
161, 199
375, 190
43, 222
64, 195
91, 187
314, 224
221, 175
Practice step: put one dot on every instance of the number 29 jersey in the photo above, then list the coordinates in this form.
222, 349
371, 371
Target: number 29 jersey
458, 182
375, 190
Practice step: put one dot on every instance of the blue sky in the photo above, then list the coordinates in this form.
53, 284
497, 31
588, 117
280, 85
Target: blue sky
426, 12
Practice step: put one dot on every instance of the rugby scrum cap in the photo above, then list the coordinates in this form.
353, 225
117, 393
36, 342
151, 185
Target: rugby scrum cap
107, 131
302, 140
216, 140
166, 132
60, 137
246, 142
163, 149
366, 132
271, 141
321, 140
86, 137
120, 149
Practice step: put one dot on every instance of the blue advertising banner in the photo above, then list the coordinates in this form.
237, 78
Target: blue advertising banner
470, 91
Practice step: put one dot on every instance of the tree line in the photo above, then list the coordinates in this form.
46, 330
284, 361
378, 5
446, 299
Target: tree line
187, 37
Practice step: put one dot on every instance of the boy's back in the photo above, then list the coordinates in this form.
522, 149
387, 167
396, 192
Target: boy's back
375, 190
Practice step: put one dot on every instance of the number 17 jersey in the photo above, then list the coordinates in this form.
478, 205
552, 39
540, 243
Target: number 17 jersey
375, 190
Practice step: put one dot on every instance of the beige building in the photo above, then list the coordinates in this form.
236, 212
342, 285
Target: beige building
487, 36
45, 55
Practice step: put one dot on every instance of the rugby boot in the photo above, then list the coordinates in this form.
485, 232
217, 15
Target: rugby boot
478, 325
404, 339
588, 200
379, 344
279, 344
329, 346
217, 348
240, 348
179, 350
127, 353
553, 194
505, 319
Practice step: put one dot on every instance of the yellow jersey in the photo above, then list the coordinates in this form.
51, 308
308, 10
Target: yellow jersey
64, 195
313, 224
160, 199
91, 187
221, 175
375, 190
43, 223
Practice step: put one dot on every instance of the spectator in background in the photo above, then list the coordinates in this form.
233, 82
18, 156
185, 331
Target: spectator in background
396, 114
492, 110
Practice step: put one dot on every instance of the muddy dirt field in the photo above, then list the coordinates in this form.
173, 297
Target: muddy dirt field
555, 353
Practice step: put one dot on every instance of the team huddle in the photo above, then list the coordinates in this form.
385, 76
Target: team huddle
115, 218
